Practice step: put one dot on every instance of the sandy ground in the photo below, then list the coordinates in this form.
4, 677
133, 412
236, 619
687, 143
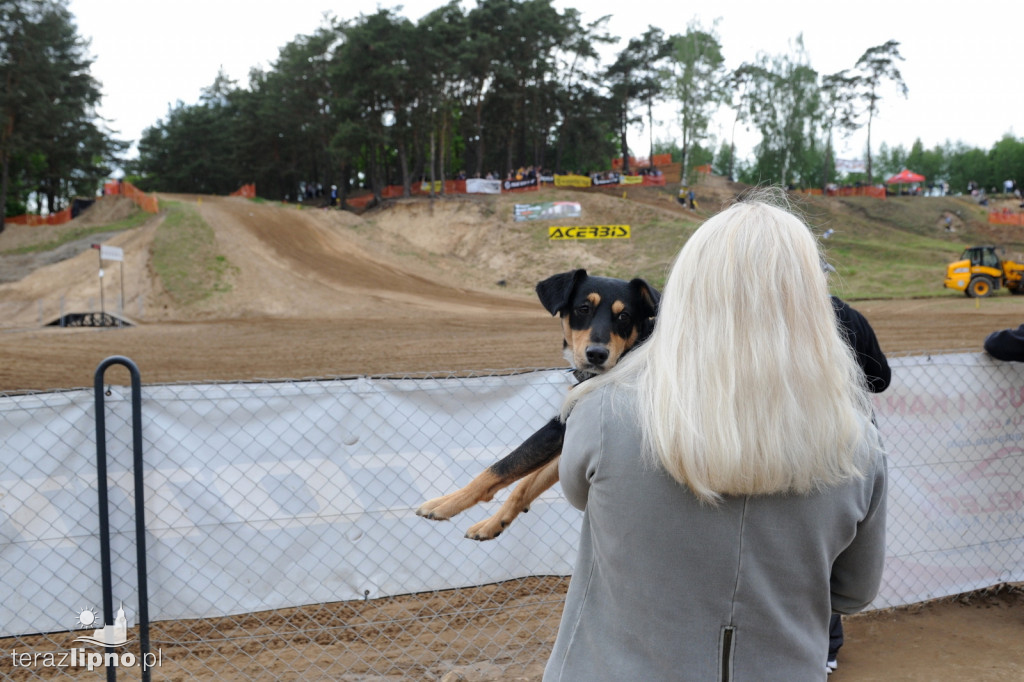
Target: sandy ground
320, 293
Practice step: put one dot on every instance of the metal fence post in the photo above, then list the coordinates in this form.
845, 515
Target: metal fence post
140, 509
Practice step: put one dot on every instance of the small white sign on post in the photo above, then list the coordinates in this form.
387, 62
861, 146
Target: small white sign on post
115, 253
111, 253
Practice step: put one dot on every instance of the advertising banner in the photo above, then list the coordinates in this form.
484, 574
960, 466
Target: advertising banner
572, 181
609, 179
519, 185
589, 232
478, 186
547, 209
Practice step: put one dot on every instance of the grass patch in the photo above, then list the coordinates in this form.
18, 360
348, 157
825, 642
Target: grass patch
134, 220
896, 248
185, 257
896, 265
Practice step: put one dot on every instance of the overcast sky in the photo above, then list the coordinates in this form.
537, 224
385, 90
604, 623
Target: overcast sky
963, 78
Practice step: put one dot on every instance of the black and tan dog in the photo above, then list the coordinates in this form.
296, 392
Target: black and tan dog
602, 320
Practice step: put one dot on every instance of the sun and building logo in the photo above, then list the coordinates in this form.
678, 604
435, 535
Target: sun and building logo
107, 637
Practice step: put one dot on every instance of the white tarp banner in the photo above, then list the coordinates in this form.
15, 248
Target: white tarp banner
478, 186
851, 165
262, 496
953, 427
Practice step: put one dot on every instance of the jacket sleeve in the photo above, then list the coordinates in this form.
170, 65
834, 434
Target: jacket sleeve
1007, 344
581, 449
861, 336
857, 572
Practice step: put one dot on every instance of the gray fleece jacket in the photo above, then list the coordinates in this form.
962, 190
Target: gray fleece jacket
666, 588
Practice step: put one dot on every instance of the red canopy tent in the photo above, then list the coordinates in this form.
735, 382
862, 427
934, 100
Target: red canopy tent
904, 177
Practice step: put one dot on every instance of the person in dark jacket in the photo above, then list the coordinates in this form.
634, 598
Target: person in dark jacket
1006, 344
862, 338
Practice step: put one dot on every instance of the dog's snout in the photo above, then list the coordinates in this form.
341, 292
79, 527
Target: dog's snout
597, 355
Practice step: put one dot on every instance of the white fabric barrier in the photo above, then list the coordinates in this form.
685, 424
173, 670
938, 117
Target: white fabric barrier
953, 427
481, 186
262, 496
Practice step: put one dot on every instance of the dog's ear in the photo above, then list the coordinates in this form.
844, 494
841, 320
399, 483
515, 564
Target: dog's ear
648, 295
555, 293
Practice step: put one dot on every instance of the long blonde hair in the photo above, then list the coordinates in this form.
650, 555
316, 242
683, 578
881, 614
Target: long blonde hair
746, 385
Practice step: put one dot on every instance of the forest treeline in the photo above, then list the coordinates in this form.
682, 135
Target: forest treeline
383, 100
52, 146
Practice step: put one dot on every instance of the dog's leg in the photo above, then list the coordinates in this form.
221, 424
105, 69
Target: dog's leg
528, 490
480, 489
536, 451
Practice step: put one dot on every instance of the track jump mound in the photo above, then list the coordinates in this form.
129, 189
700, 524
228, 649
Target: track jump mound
92, 319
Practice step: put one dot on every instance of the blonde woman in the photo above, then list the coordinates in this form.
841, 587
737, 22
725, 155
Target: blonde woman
732, 483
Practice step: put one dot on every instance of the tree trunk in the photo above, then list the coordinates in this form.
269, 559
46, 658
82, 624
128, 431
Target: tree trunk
870, 176
871, 116
443, 145
510, 145
650, 130
403, 166
824, 169
375, 174
732, 150
4, 178
343, 185
623, 143
479, 136
684, 166
433, 160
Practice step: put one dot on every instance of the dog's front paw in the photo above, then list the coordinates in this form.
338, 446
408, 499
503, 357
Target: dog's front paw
437, 509
487, 529
431, 510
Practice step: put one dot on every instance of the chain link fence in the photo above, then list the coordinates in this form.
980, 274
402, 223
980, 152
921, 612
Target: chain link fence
282, 541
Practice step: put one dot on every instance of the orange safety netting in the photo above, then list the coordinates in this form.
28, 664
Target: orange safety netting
359, 202
247, 191
146, 202
656, 160
58, 218
1006, 217
876, 192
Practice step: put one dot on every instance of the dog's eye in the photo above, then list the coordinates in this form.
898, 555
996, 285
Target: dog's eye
624, 317
583, 309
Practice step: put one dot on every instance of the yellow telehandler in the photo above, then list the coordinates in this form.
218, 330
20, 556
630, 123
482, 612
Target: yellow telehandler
981, 270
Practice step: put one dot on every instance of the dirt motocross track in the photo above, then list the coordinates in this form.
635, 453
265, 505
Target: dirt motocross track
415, 288
326, 293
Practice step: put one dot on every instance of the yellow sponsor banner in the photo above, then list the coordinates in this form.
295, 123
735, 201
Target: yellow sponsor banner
572, 181
631, 180
589, 232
